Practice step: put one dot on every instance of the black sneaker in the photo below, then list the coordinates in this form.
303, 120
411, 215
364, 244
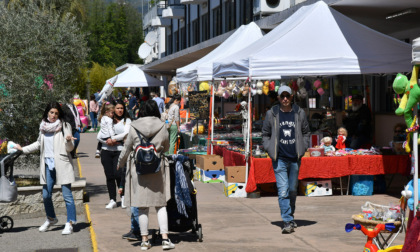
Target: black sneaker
132, 236
288, 228
293, 223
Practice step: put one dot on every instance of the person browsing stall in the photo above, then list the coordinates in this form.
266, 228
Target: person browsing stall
55, 142
285, 136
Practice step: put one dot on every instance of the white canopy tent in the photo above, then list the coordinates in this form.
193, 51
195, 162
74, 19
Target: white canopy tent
317, 40
202, 69
134, 77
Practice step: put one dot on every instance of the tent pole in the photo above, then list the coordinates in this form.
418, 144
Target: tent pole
212, 116
416, 164
248, 153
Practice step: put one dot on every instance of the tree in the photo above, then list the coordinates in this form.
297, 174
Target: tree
41, 54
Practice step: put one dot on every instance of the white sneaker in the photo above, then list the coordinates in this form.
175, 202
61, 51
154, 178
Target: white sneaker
47, 224
167, 244
145, 245
112, 204
68, 229
98, 154
122, 203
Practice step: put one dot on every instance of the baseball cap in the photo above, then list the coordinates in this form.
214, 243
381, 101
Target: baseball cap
284, 89
357, 97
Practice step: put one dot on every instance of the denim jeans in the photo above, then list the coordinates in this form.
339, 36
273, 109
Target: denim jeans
67, 195
77, 136
135, 219
286, 173
93, 120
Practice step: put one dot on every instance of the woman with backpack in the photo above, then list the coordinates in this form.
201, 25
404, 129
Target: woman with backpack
151, 189
55, 142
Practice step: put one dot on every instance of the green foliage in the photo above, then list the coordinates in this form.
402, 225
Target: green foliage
35, 46
115, 32
99, 74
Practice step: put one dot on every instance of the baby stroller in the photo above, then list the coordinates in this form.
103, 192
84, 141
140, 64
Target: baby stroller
8, 187
177, 221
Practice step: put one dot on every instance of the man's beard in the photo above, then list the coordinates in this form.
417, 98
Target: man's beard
356, 107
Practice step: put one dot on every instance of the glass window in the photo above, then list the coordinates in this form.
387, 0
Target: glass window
229, 15
176, 41
182, 39
169, 44
205, 27
195, 32
217, 24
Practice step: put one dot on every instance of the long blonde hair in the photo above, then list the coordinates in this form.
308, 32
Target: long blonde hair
106, 107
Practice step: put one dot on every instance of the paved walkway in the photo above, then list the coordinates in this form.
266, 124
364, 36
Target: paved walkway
229, 224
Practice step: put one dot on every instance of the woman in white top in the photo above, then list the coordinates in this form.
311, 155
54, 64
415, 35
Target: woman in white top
111, 149
55, 142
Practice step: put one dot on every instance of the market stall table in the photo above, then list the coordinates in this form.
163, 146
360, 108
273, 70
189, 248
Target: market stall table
261, 170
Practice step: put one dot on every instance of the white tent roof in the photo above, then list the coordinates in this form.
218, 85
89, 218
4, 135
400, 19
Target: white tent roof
202, 69
135, 77
317, 40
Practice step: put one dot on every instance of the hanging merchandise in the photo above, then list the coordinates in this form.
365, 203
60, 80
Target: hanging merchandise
172, 88
277, 83
223, 83
265, 88
272, 86
318, 88
226, 94
245, 89
235, 90
204, 86
338, 87
301, 93
253, 89
260, 85
295, 86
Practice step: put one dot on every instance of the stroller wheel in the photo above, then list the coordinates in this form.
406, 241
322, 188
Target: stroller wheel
200, 233
6, 223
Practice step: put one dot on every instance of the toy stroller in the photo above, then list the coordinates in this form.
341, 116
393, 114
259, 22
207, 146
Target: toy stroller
8, 187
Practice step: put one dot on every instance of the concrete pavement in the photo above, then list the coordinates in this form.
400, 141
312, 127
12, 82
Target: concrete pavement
229, 224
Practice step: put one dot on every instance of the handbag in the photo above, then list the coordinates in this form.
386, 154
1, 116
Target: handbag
8, 188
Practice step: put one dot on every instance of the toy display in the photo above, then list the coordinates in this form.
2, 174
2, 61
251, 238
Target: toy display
82, 108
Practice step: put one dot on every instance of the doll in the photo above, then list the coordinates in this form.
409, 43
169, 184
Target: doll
341, 138
326, 144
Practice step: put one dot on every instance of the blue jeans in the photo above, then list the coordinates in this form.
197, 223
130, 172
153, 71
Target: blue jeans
286, 173
135, 219
67, 195
93, 120
77, 141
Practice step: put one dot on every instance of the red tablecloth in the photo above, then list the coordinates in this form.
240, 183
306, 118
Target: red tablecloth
333, 167
230, 158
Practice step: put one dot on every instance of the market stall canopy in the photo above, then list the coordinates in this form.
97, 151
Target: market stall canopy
135, 77
202, 69
317, 40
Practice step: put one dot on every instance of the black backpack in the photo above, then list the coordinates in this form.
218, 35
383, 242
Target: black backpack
146, 158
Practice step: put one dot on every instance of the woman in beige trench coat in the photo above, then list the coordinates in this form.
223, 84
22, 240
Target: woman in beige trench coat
150, 190
55, 143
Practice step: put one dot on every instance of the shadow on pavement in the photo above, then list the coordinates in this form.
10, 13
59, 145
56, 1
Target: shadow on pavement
82, 154
300, 223
20, 229
96, 189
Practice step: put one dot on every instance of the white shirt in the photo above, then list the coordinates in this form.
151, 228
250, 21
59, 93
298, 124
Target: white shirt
49, 144
107, 127
121, 130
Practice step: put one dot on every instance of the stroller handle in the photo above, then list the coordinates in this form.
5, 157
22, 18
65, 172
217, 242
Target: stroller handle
11, 157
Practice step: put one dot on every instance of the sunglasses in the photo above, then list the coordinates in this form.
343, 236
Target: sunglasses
286, 95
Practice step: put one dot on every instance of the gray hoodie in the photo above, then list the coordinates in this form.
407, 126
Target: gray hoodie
270, 131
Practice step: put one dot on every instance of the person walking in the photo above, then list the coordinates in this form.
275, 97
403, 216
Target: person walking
174, 121
132, 104
111, 149
159, 101
148, 190
285, 138
93, 111
55, 142
77, 124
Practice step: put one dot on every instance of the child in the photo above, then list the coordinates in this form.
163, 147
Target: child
326, 144
341, 138
107, 123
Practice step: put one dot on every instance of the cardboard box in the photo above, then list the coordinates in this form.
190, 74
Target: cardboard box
316, 188
235, 174
210, 176
210, 162
234, 190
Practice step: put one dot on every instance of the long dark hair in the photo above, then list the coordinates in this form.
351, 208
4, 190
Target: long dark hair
125, 114
50, 106
174, 98
149, 108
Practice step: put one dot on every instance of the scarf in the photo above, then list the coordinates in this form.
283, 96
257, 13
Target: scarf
182, 193
50, 127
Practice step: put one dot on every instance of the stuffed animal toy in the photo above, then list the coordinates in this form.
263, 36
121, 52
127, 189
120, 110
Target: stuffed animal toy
260, 85
295, 86
226, 94
253, 89
272, 86
204, 86
245, 89
277, 85
408, 193
172, 89
266, 88
318, 88
338, 88
412, 94
223, 83
301, 93
235, 90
